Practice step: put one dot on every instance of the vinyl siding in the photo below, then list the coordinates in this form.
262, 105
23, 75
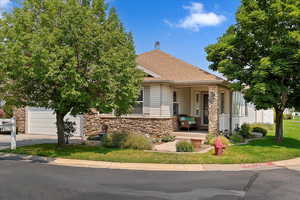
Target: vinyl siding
167, 101
160, 101
155, 101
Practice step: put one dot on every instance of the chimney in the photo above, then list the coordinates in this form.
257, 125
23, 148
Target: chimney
157, 45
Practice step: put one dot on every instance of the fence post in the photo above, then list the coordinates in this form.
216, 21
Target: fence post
13, 143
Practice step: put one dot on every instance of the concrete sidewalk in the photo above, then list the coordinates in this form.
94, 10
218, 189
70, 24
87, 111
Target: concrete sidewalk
290, 164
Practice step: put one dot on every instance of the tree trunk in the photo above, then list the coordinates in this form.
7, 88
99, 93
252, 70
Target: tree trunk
279, 126
60, 128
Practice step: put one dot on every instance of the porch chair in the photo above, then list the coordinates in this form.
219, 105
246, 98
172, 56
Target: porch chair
187, 122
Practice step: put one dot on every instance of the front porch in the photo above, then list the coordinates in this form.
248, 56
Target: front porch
209, 105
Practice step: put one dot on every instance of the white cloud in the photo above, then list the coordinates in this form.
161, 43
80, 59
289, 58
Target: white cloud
168, 23
3, 5
197, 18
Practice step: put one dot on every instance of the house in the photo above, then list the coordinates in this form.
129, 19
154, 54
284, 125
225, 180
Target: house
296, 114
292, 112
171, 88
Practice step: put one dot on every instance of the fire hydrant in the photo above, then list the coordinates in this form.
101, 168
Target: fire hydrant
219, 146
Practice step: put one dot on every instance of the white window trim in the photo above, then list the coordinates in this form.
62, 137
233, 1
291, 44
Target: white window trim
142, 101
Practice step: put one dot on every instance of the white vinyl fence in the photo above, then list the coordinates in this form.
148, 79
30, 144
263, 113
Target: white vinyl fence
224, 122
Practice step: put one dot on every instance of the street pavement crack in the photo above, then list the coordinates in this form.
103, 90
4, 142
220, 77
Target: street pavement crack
249, 184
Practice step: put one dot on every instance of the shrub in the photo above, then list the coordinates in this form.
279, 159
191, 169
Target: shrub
245, 130
115, 139
260, 130
139, 142
125, 140
94, 138
107, 141
237, 138
209, 137
168, 138
156, 140
225, 141
269, 127
118, 139
69, 130
287, 116
184, 146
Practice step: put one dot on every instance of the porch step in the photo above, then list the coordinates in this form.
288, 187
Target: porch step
189, 135
189, 138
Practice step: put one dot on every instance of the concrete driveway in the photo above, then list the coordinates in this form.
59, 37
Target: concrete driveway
28, 139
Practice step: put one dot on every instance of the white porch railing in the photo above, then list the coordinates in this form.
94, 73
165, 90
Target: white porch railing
224, 122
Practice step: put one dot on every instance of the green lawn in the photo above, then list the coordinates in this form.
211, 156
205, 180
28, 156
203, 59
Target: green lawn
257, 151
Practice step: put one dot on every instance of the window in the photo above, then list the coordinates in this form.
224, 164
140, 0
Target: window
174, 96
222, 106
138, 108
175, 104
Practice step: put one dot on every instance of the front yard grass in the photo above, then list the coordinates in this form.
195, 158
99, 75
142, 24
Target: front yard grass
264, 150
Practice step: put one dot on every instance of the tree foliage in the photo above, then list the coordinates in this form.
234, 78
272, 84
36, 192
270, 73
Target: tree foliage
69, 56
260, 54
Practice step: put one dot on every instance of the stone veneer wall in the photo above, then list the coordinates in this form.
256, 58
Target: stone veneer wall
175, 124
213, 109
20, 116
155, 127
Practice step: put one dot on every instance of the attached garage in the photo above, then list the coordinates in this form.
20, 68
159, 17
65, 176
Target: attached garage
43, 122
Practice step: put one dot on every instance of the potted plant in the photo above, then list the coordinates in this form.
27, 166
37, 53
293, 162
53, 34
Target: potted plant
196, 143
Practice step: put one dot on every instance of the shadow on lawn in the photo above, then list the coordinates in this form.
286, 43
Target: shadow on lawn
53, 150
269, 141
45, 153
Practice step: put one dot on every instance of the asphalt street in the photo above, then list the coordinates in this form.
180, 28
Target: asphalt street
21, 180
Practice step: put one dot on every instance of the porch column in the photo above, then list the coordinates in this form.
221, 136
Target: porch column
213, 109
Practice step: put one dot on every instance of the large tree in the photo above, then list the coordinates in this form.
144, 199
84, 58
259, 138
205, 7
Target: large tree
260, 54
69, 56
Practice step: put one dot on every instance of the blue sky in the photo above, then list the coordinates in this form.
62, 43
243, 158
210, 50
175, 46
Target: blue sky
184, 28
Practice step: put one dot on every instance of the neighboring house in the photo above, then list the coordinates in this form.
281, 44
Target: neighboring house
293, 112
171, 87
296, 114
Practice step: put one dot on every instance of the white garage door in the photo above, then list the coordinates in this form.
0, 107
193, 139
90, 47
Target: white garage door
42, 121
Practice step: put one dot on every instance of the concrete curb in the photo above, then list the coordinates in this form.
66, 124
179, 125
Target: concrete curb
153, 167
